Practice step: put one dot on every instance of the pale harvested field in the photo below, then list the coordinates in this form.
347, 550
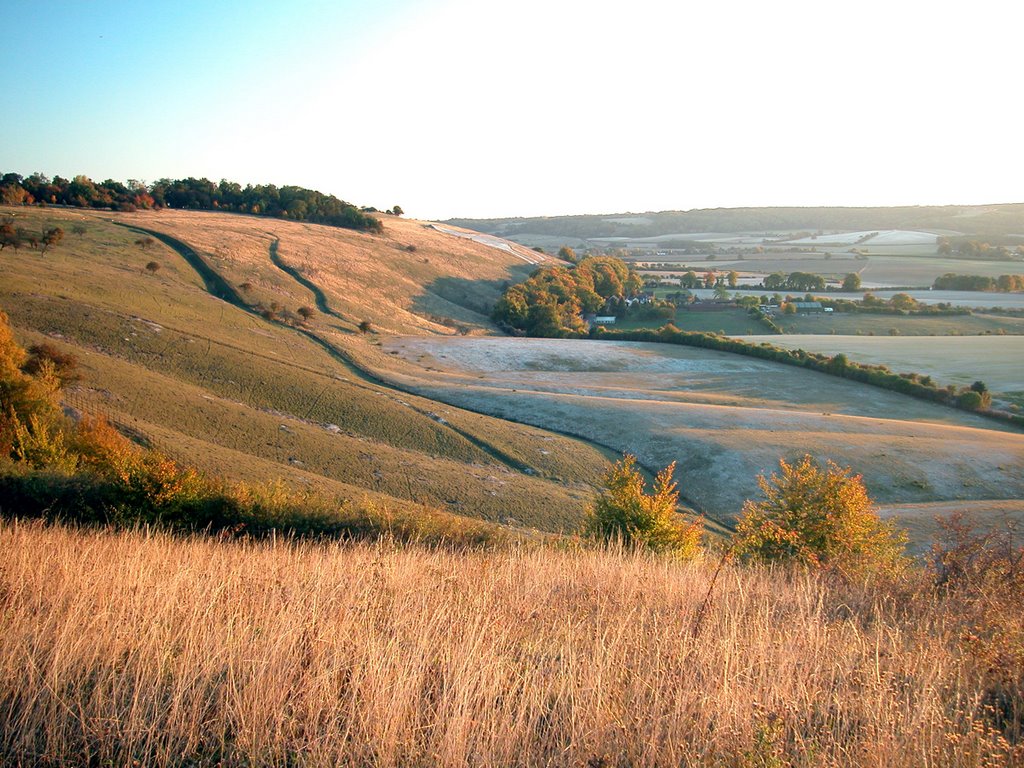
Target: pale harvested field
724, 418
961, 360
132, 649
919, 519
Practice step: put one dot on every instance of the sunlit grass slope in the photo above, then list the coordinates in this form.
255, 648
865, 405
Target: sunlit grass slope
139, 649
212, 383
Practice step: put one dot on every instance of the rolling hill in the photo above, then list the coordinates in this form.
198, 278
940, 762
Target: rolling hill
336, 361
205, 356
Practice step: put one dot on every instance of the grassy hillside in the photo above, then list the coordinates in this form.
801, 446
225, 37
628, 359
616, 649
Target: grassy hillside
151, 650
214, 383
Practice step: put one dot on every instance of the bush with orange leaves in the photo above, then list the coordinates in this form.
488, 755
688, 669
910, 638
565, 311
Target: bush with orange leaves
819, 517
625, 512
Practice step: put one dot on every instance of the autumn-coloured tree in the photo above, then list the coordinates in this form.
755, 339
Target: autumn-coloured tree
626, 512
8, 236
51, 237
818, 517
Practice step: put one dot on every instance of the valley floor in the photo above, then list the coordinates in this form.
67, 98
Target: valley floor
725, 418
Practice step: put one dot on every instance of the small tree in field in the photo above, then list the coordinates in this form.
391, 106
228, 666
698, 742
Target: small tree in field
818, 517
51, 237
153, 267
624, 511
305, 312
365, 326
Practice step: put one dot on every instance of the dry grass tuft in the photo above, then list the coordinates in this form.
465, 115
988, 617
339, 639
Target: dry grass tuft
143, 647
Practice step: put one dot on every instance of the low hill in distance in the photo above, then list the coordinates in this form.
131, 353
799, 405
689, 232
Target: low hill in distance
989, 220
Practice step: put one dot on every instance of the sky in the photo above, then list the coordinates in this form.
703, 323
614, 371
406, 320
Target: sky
491, 108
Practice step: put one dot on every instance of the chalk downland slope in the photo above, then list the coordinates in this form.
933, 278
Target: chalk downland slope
412, 278
219, 386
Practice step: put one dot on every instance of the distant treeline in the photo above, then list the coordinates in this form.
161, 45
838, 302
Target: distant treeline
289, 202
994, 221
1004, 283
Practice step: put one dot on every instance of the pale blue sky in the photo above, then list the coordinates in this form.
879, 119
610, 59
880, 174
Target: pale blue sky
532, 107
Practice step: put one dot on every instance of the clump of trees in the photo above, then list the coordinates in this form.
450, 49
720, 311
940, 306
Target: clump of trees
288, 202
16, 237
818, 517
966, 248
810, 516
554, 298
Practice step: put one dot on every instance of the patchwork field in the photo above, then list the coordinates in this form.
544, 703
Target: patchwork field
914, 269
723, 418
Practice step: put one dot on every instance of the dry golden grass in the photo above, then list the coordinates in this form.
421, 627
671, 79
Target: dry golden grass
137, 648
403, 280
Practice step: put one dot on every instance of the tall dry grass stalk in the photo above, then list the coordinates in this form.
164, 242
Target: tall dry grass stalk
124, 647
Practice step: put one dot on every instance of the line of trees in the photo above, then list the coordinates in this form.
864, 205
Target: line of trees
288, 202
794, 281
954, 282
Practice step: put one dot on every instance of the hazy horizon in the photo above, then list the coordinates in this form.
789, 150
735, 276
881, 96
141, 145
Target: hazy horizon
460, 109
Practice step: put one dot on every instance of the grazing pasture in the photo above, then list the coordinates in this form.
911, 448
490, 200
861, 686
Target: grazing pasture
236, 394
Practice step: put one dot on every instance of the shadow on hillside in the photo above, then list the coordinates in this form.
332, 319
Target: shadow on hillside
455, 301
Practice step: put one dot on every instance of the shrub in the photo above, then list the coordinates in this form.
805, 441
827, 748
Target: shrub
981, 575
818, 517
626, 513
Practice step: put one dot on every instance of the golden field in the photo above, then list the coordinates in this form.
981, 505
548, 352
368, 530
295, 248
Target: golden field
138, 648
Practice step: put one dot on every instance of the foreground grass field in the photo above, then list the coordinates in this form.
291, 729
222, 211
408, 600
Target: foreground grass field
142, 649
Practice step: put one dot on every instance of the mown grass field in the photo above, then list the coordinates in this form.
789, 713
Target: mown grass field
723, 418
142, 649
855, 323
211, 384
996, 360
730, 322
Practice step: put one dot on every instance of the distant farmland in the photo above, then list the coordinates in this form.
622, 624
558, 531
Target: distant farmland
996, 360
